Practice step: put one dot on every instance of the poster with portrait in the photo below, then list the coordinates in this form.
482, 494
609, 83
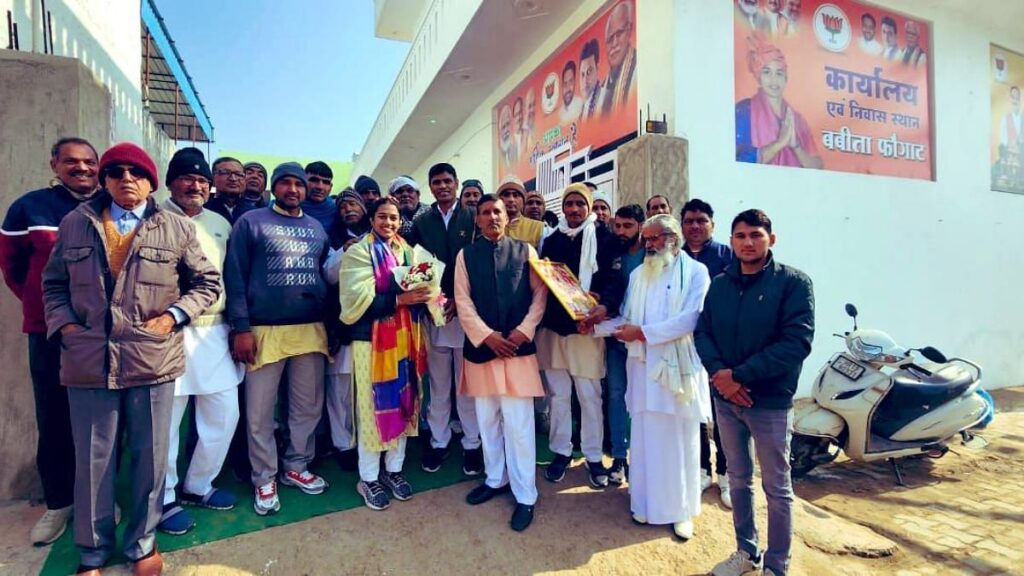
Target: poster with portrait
565, 286
834, 85
582, 97
1006, 70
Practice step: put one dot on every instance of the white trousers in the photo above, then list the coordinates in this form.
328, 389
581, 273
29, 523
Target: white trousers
664, 467
369, 461
341, 410
216, 419
443, 362
510, 446
592, 426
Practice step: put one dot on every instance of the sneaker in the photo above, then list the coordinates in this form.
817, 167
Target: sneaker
215, 499
617, 473
597, 475
175, 520
683, 530
433, 457
556, 470
739, 564
265, 501
705, 480
638, 519
50, 526
522, 516
374, 495
483, 493
306, 481
398, 485
473, 462
723, 488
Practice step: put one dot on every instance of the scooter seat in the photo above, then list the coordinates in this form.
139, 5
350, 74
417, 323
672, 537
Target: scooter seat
913, 395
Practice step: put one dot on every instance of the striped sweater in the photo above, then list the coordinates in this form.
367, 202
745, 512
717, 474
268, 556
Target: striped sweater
27, 237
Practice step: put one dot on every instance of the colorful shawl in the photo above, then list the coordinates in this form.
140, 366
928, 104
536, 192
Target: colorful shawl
398, 358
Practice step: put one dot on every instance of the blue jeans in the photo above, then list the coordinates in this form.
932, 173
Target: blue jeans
771, 431
618, 418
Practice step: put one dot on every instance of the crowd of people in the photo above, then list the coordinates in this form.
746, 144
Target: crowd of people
266, 314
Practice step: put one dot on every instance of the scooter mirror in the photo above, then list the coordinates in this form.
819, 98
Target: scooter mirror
933, 355
851, 311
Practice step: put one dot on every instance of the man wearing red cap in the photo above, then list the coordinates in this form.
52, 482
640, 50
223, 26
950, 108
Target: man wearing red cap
125, 275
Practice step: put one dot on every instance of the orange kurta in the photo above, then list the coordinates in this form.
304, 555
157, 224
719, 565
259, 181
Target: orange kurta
516, 377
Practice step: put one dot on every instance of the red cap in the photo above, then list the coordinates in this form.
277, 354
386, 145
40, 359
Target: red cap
128, 153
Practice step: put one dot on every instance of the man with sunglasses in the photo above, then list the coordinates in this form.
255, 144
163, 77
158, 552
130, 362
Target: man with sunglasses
319, 203
125, 276
211, 377
229, 184
26, 240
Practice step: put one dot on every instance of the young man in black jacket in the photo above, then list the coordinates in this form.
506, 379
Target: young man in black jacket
753, 336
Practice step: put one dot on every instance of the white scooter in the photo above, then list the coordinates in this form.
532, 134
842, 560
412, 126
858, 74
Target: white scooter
876, 403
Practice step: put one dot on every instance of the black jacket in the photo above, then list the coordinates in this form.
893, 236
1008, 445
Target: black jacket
607, 283
761, 326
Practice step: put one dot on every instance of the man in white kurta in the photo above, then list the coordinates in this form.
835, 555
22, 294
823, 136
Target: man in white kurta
211, 376
667, 394
501, 301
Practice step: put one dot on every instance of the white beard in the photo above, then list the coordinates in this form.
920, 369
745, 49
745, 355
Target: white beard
655, 264
748, 9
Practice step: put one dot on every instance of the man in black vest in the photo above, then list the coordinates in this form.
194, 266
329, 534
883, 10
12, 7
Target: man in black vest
501, 302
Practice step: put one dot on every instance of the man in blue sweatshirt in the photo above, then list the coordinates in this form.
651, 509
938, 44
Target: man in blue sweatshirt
276, 303
752, 337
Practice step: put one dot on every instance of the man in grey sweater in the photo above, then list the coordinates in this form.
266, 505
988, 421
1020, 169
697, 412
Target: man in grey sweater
276, 301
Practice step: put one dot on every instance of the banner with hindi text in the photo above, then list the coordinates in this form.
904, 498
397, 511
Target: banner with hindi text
834, 85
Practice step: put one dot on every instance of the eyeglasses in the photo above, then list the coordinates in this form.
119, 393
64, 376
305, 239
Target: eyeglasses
230, 174
701, 221
319, 180
117, 172
190, 180
647, 239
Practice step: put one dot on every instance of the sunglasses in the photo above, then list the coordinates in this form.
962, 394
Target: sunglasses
117, 172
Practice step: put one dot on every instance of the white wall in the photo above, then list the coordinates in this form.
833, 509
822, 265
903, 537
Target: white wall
106, 37
932, 263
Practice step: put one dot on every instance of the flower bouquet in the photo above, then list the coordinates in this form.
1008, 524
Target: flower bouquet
426, 270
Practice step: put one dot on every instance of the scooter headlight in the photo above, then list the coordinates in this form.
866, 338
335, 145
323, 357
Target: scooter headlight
864, 351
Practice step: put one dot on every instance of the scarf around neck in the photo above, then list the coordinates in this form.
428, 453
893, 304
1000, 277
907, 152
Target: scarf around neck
588, 251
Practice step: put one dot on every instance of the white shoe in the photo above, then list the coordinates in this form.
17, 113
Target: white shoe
739, 564
639, 519
723, 488
265, 500
684, 530
705, 480
50, 526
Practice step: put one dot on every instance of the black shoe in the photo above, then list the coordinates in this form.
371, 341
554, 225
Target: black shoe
597, 475
617, 473
522, 517
348, 460
483, 493
432, 458
556, 470
473, 462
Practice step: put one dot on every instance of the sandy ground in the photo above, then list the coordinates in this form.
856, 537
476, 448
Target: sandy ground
576, 530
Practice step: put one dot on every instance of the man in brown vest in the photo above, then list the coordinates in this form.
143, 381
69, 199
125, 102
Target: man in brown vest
124, 276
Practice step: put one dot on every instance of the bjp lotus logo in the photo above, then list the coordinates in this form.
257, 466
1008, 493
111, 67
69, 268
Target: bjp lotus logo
832, 28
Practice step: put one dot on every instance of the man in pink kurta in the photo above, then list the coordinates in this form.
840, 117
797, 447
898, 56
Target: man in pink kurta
500, 303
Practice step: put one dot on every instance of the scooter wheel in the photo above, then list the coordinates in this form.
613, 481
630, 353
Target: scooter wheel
802, 454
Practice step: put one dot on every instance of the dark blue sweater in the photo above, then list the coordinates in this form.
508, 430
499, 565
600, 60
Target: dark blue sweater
272, 274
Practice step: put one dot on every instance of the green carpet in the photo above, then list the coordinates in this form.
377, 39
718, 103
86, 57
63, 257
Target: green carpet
212, 525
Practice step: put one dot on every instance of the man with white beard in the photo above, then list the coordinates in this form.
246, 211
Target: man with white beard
667, 392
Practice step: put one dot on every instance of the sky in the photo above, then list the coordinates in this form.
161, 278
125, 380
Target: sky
303, 79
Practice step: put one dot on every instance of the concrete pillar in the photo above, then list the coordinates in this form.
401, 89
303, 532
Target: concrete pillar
653, 164
44, 98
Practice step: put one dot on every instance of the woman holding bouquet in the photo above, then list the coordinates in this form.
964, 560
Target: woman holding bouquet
388, 352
